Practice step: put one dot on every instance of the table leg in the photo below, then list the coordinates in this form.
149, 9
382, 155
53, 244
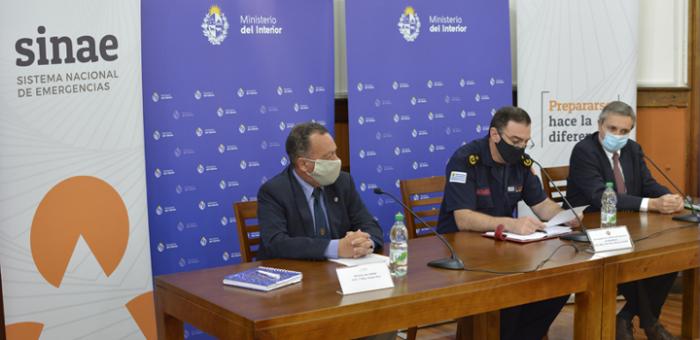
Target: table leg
480, 326
587, 310
690, 328
609, 301
169, 327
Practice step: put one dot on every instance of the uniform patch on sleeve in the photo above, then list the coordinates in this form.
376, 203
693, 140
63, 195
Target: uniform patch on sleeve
473, 159
458, 177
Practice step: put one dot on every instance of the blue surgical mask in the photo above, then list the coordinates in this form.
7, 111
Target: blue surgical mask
613, 143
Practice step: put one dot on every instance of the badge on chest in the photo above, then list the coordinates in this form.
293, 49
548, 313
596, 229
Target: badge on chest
515, 188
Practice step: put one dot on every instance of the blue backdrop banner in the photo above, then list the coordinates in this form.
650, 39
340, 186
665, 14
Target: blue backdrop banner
223, 84
424, 77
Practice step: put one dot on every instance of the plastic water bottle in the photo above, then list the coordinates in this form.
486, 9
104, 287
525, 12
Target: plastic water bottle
398, 251
608, 207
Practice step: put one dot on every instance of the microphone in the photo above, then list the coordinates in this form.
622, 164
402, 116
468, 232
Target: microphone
453, 262
579, 236
694, 217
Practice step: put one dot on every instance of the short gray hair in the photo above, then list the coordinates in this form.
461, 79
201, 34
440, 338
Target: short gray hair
298, 140
617, 108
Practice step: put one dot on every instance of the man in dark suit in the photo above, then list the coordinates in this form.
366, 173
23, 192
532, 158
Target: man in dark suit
610, 156
311, 210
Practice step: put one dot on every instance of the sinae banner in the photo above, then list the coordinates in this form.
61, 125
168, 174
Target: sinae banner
574, 57
424, 77
224, 83
74, 242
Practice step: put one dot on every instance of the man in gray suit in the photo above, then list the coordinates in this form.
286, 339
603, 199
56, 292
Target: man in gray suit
311, 209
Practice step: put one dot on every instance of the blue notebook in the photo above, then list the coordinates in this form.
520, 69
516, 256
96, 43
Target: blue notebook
263, 278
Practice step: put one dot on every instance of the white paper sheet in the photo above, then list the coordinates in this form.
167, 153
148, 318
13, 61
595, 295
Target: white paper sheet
371, 258
540, 234
565, 216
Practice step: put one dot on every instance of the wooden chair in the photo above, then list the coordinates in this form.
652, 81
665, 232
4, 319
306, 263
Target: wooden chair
245, 211
559, 175
424, 196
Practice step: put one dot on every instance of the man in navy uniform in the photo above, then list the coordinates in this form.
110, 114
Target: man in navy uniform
610, 156
485, 180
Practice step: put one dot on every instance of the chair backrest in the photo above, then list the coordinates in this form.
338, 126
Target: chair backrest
424, 196
244, 212
559, 175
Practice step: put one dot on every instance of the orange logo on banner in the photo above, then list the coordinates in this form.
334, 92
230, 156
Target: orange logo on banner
142, 310
24, 331
78, 206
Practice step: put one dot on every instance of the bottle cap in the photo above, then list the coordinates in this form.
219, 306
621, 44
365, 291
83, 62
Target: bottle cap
398, 217
609, 184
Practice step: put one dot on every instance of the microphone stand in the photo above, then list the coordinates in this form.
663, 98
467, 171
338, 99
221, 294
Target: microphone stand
579, 236
453, 262
694, 217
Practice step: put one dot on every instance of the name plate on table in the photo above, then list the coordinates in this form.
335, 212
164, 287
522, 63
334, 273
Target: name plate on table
607, 239
364, 278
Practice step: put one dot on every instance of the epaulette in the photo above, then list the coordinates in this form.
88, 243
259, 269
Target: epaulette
473, 159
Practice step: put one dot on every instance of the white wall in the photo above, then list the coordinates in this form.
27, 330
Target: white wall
662, 61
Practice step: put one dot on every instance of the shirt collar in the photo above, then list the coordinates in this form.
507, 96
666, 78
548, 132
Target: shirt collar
308, 189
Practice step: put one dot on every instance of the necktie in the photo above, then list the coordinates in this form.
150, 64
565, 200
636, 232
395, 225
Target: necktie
319, 217
617, 171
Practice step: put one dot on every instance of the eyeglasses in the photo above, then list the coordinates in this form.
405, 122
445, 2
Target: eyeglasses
526, 144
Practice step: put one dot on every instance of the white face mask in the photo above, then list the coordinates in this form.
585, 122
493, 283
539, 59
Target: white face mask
325, 172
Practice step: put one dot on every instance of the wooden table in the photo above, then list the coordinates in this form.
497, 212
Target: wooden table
313, 309
676, 250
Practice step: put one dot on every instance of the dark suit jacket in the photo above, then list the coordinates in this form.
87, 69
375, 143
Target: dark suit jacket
286, 223
590, 169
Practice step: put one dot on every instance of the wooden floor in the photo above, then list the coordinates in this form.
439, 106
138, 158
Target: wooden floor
562, 328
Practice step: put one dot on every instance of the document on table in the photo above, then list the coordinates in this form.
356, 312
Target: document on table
371, 258
565, 216
548, 232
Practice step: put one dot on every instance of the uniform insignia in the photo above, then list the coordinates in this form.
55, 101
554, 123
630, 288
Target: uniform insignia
473, 159
526, 160
483, 191
458, 177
